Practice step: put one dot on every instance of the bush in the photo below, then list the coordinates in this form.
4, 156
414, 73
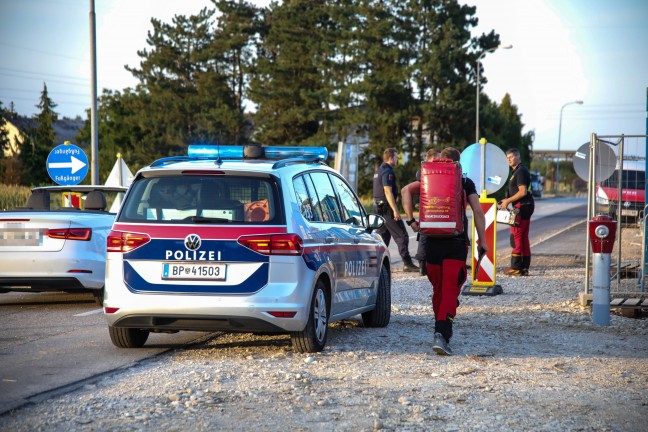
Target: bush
12, 196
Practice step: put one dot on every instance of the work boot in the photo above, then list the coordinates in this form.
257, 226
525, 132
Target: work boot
422, 268
440, 345
513, 272
409, 266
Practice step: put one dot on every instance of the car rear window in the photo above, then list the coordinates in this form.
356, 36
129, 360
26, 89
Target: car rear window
202, 199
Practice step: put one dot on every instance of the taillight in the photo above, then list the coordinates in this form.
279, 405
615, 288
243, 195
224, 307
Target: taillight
83, 234
119, 241
273, 244
282, 314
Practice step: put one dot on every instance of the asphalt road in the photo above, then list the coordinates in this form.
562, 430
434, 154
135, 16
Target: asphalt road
52, 342
49, 341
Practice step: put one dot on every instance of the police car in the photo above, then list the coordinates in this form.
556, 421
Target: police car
244, 239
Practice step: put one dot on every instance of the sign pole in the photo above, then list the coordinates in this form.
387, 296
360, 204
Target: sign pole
94, 134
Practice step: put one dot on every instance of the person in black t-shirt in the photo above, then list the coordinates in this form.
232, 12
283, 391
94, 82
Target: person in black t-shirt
385, 192
519, 196
446, 259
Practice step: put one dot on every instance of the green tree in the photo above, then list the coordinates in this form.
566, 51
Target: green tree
41, 139
183, 96
503, 127
119, 132
287, 84
234, 44
4, 133
5, 144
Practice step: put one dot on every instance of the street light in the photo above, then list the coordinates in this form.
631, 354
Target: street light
557, 173
481, 56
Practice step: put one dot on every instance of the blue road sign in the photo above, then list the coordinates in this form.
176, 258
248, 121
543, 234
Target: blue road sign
67, 164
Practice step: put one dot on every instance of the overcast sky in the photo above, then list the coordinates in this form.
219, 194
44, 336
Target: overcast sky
590, 50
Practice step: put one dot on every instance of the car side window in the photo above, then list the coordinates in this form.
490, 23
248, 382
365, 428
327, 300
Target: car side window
303, 199
326, 198
351, 210
313, 200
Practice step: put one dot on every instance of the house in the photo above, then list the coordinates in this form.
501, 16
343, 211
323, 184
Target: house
65, 129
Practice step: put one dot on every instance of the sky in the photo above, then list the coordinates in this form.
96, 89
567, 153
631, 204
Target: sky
563, 51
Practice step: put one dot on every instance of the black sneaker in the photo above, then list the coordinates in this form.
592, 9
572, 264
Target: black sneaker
440, 345
410, 267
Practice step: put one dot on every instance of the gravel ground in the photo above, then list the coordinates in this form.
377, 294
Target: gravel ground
527, 360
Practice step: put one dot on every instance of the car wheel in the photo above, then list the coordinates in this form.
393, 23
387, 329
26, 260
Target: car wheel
379, 317
128, 337
313, 337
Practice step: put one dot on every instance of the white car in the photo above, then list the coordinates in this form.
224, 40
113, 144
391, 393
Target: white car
57, 242
245, 239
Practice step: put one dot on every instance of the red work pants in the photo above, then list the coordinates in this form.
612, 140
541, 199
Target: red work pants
447, 280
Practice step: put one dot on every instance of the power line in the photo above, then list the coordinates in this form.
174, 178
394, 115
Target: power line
20, 71
22, 48
57, 102
49, 90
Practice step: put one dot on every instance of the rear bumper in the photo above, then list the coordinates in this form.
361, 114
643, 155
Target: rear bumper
197, 323
290, 292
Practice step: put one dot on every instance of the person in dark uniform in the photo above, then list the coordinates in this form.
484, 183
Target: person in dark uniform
519, 197
446, 259
385, 192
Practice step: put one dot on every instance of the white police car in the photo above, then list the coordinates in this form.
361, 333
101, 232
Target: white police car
252, 239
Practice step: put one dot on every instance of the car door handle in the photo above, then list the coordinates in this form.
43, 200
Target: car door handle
329, 239
356, 240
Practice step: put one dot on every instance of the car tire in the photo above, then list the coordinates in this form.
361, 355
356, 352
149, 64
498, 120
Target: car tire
381, 314
313, 337
128, 337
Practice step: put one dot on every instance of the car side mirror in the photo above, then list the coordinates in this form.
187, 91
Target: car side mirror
375, 222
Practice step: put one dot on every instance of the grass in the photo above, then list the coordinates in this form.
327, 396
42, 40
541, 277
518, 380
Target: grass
12, 196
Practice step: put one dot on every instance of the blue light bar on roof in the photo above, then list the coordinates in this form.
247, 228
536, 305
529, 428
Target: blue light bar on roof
204, 151
286, 152
212, 152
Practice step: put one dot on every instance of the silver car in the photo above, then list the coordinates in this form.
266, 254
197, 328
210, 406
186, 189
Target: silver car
254, 239
57, 242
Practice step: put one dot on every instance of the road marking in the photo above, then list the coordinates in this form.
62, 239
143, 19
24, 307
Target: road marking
92, 312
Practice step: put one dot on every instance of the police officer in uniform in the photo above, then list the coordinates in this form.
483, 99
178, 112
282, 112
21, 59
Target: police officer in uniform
385, 191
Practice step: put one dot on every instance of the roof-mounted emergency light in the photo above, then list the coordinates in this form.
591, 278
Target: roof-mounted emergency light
207, 151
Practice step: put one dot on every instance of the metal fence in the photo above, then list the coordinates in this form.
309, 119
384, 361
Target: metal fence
607, 156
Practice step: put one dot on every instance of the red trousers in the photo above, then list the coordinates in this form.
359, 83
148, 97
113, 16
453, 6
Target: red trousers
521, 253
447, 280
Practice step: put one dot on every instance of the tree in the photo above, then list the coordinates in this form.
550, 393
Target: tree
119, 132
234, 44
5, 144
287, 84
183, 96
40, 140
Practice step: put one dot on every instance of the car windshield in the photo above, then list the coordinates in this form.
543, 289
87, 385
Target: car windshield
201, 199
631, 179
59, 199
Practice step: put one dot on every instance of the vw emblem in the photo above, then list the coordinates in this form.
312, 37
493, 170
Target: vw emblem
192, 242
